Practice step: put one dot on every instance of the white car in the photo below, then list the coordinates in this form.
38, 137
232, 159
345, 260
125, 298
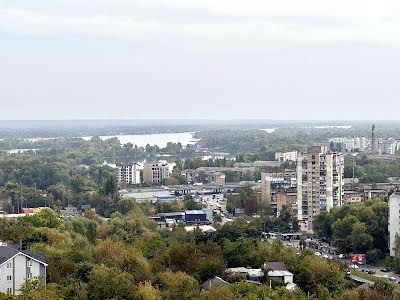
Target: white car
325, 256
342, 256
354, 266
318, 253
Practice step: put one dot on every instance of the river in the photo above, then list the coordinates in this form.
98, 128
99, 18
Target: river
159, 139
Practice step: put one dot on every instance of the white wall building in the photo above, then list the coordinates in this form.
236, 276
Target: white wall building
128, 173
18, 266
388, 146
286, 156
393, 220
352, 143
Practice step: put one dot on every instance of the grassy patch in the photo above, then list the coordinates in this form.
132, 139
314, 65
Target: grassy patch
373, 278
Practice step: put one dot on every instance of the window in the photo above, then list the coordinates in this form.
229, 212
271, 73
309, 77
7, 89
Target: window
9, 265
9, 277
9, 290
29, 263
29, 276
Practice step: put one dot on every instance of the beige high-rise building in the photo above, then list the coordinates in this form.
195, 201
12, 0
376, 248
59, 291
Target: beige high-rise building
155, 172
320, 183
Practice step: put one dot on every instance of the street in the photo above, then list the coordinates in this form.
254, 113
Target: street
347, 261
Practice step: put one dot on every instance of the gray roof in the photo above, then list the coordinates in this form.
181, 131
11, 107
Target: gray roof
7, 252
276, 266
171, 214
216, 281
194, 212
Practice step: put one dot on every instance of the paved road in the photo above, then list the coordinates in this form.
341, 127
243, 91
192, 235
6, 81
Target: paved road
378, 273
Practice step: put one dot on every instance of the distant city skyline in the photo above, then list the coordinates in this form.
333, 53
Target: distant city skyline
136, 59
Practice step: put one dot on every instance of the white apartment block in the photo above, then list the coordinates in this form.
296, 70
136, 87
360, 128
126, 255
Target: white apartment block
155, 172
18, 266
128, 173
286, 156
388, 146
352, 143
393, 220
320, 183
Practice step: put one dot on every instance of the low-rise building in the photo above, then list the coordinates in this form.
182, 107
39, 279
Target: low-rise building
16, 267
277, 271
196, 217
190, 217
250, 274
204, 176
70, 212
375, 193
352, 197
213, 282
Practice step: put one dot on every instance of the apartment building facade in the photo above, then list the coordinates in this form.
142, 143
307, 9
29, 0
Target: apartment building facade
155, 172
128, 173
320, 183
286, 156
393, 221
279, 189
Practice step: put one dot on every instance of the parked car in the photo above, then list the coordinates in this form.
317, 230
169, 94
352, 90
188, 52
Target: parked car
393, 279
325, 256
372, 272
318, 253
365, 270
385, 270
342, 256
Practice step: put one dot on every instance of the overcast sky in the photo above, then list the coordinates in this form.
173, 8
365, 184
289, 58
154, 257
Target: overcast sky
62, 59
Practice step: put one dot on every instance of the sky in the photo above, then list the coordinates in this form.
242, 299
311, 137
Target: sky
211, 59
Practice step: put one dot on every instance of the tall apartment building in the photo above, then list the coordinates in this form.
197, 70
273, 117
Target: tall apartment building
320, 183
128, 173
155, 172
393, 220
286, 156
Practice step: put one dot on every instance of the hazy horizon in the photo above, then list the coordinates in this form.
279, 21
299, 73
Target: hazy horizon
291, 60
